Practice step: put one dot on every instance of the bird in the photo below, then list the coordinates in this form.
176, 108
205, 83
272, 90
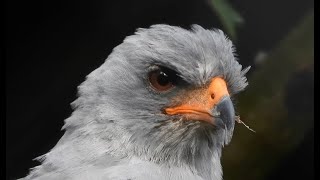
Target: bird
161, 106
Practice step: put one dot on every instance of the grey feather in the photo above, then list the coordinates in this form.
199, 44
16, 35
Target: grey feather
117, 129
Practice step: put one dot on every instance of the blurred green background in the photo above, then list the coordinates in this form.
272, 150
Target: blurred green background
278, 105
52, 45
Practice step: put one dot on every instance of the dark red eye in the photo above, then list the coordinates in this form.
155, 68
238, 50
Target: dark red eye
162, 79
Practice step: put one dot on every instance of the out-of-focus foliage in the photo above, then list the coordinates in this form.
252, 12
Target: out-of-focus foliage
229, 17
262, 106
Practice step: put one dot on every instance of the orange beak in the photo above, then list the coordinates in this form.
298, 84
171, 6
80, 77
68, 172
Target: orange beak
207, 104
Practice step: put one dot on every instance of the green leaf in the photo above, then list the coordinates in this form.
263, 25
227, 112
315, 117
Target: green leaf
230, 19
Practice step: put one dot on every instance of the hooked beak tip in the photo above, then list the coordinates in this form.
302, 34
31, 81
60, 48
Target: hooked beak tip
227, 113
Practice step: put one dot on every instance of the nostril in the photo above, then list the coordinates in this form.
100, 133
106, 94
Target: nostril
212, 96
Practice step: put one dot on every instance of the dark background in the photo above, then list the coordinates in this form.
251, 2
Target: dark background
52, 45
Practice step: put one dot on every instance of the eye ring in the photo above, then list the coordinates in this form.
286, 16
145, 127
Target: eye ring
162, 79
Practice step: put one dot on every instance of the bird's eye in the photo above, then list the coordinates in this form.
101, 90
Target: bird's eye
162, 79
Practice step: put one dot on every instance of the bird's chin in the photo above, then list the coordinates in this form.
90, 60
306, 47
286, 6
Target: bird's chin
201, 117
201, 121
203, 128
195, 127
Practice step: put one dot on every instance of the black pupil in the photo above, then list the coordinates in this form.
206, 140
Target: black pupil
163, 78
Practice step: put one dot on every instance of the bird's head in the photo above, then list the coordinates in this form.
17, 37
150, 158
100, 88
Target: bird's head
164, 95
